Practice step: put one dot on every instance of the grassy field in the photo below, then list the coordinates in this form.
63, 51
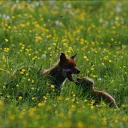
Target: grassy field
34, 34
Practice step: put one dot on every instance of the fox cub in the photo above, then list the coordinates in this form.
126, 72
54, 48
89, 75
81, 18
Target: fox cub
87, 86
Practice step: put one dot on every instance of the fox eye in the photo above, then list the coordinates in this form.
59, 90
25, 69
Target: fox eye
69, 66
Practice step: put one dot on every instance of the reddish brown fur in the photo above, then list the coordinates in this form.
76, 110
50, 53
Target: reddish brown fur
64, 69
101, 95
87, 85
58, 73
69, 62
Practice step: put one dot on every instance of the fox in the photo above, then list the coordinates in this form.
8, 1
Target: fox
87, 85
58, 73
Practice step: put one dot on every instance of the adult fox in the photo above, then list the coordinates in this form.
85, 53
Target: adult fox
59, 72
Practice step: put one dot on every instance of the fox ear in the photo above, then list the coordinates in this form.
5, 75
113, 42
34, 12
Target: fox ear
73, 56
62, 57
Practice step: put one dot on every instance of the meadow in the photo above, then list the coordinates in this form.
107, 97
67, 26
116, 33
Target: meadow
34, 33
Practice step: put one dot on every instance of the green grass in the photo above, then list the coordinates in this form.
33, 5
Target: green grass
34, 34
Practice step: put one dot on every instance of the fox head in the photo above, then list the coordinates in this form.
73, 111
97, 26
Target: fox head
87, 84
68, 66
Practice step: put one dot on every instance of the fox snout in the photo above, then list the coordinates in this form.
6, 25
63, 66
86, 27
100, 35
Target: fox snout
73, 71
77, 71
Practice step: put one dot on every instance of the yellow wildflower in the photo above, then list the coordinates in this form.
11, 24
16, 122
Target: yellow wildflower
123, 105
60, 97
6, 49
104, 121
33, 81
124, 118
29, 79
67, 99
20, 97
33, 98
40, 104
52, 86
80, 125
6, 40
